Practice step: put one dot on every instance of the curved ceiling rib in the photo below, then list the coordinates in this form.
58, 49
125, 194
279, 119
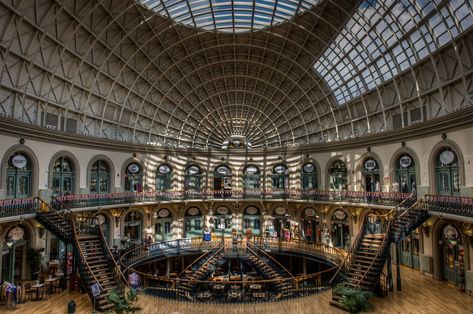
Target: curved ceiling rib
185, 74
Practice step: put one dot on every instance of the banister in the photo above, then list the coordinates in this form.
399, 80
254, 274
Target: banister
381, 248
272, 259
72, 219
118, 271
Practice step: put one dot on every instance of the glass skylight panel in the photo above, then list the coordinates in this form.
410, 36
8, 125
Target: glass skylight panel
230, 15
384, 37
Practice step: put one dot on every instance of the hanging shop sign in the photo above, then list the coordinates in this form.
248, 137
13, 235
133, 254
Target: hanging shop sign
193, 211
133, 168
280, 211
163, 213
251, 170
16, 233
340, 214
222, 210
193, 170
370, 164
405, 161
309, 212
450, 232
100, 219
309, 168
223, 170
19, 161
447, 157
280, 169
164, 169
251, 210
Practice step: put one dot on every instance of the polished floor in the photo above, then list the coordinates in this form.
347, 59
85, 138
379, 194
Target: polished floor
420, 294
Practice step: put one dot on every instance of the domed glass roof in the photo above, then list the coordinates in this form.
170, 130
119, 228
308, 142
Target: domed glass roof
229, 15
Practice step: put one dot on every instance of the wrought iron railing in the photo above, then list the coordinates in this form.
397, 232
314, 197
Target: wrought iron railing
18, 207
94, 200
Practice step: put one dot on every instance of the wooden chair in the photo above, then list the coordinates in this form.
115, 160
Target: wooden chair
28, 291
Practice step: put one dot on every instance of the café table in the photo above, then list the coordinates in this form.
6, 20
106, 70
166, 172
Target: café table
49, 282
38, 286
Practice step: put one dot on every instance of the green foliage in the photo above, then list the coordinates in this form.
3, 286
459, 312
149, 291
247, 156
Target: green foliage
123, 304
355, 300
34, 260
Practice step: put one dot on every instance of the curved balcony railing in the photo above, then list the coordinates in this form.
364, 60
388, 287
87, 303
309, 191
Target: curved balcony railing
92, 200
308, 248
454, 205
169, 287
143, 253
19, 207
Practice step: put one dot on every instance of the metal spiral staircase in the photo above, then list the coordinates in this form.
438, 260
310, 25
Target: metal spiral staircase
364, 263
95, 261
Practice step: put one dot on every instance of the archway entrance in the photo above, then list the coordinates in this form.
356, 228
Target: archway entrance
163, 225
451, 255
340, 229
252, 220
193, 223
311, 225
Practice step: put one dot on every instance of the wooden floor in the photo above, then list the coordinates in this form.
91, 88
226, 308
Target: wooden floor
420, 294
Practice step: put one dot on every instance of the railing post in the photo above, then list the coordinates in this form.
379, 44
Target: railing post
398, 268
390, 272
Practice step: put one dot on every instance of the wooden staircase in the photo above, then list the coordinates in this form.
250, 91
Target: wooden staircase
366, 259
99, 269
201, 270
272, 270
89, 249
56, 222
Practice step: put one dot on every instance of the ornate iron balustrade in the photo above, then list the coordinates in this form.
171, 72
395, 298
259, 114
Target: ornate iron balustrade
19, 207
454, 205
315, 249
143, 253
93, 200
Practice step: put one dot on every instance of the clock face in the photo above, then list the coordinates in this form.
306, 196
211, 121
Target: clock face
447, 157
100, 219
16, 233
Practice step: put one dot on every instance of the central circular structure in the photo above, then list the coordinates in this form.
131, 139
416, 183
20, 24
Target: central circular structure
230, 15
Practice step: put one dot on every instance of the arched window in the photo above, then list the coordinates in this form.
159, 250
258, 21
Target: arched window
405, 175
17, 240
252, 221
447, 173
222, 181
309, 177
164, 178
452, 254
193, 223
338, 176
19, 176
370, 172
193, 178
280, 178
251, 180
100, 177
133, 178
63, 177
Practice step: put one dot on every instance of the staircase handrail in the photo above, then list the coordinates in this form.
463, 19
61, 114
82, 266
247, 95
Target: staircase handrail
351, 249
73, 221
207, 261
398, 206
193, 263
381, 248
117, 270
272, 259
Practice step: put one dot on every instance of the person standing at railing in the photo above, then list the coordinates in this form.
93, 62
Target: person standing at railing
134, 280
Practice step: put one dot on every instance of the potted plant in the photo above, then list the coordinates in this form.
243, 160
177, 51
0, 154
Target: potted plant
34, 259
123, 303
354, 300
